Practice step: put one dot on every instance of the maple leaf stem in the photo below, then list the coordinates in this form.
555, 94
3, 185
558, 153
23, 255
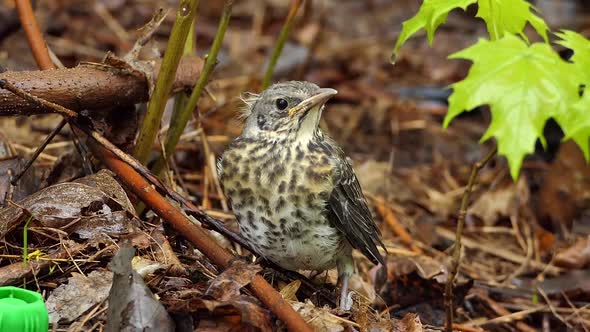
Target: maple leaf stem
456, 257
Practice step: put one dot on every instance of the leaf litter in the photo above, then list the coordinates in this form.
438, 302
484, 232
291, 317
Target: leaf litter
525, 255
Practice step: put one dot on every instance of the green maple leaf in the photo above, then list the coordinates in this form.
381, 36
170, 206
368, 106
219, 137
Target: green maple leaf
576, 124
431, 14
523, 85
501, 17
581, 47
509, 16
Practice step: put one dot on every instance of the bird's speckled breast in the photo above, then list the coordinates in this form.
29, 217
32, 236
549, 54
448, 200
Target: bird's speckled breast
278, 192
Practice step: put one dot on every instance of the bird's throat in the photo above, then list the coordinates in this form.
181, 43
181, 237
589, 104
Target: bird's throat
309, 124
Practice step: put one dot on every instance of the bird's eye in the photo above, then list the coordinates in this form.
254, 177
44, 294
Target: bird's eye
282, 104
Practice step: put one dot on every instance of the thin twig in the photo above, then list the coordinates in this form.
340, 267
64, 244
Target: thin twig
177, 126
449, 307
511, 317
552, 308
576, 311
82, 151
38, 151
503, 253
78, 326
46, 157
147, 33
283, 35
391, 220
502, 311
112, 24
529, 249
210, 160
466, 328
59, 260
61, 241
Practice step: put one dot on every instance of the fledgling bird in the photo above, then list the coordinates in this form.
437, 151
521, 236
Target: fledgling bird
295, 196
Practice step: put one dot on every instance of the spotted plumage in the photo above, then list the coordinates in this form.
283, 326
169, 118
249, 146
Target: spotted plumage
295, 195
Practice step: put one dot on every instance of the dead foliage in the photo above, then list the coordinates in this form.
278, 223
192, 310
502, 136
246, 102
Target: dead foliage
72, 231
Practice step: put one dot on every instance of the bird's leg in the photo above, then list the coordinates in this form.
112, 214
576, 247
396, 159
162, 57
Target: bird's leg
345, 268
345, 302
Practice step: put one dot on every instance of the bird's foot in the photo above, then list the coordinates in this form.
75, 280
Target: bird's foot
345, 296
346, 302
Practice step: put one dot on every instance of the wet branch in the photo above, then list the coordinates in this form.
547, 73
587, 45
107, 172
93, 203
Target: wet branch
88, 86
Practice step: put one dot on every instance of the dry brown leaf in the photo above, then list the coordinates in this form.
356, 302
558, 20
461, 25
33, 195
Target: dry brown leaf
576, 256
288, 291
227, 285
362, 287
320, 319
494, 204
81, 207
410, 323
145, 266
566, 186
132, 306
80, 293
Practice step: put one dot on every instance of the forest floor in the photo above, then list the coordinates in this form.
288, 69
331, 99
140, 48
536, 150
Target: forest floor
526, 244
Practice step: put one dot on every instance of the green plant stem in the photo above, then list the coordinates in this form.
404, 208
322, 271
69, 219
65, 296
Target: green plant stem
177, 126
26, 241
283, 35
189, 44
151, 124
181, 99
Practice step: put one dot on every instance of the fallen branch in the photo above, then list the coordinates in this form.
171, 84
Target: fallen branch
90, 86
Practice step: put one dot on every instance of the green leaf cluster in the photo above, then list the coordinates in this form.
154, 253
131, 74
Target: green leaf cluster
501, 17
524, 84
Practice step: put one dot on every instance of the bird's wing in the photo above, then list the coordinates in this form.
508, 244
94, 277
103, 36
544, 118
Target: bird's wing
350, 213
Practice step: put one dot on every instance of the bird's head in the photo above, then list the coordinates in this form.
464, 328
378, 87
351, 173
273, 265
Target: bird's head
286, 110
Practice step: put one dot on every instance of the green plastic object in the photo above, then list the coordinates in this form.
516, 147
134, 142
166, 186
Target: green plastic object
22, 310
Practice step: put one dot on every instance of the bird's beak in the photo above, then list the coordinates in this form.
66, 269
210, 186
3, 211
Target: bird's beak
319, 98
